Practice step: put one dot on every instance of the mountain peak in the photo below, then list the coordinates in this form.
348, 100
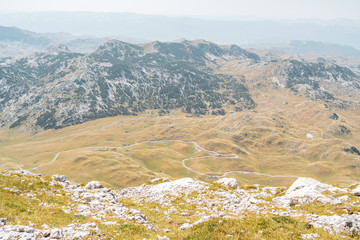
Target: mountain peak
116, 49
58, 49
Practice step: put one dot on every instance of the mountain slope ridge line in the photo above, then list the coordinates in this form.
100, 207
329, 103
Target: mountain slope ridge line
212, 154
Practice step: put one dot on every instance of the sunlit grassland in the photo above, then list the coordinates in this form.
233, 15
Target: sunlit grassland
270, 139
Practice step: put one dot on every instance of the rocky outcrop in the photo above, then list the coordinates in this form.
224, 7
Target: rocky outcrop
339, 224
353, 150
158, 193
194, 202
231, 182
307, 190
73, 231
99, 202
316, 80
356, 191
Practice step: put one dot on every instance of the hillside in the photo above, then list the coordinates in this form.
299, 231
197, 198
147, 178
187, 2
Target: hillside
59, 88
43, 207
186, 109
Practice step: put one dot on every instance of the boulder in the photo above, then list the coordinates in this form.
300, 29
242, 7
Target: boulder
307, 190
59, 178
356, 191
158, 192
339, 224
228, 182
334, 116
310, 236
56, 233
185, 226
93, 185
310, 136
2, 221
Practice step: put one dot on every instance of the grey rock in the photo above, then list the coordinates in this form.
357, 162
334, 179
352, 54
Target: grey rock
56, 233
356, 191
2, 221
336, 224
59, 178
185, 226
310, 236
228, 182
93, 185
306, 190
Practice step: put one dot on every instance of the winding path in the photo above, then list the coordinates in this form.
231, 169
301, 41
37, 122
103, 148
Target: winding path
198, 148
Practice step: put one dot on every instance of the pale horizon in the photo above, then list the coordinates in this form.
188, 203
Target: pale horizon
225, 9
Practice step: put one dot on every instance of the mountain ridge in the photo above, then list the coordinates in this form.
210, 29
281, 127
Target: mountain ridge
120, 78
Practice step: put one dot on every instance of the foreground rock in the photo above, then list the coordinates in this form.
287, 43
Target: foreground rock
73, 231
185, 203
307, 190
339, 224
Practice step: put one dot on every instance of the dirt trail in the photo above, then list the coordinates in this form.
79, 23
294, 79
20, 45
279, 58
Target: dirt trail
198, 148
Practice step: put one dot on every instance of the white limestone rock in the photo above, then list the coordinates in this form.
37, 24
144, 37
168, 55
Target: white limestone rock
310, 136
228, 182
306, 190
93, 185
157, 193
185, 226
2, 221
56, 233
59, 178
310, 236
356, 191
336, 224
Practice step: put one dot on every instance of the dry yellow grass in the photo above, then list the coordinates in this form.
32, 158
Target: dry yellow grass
270, 139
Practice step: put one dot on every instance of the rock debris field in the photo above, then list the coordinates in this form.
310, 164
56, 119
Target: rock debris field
191, 202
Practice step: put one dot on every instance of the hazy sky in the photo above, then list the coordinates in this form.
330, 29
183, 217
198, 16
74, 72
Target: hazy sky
290, 9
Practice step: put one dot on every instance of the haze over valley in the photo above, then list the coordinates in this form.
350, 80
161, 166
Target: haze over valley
225, 126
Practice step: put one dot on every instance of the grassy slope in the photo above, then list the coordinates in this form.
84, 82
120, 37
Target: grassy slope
270, 139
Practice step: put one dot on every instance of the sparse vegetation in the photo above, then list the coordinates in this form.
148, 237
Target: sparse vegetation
253, 227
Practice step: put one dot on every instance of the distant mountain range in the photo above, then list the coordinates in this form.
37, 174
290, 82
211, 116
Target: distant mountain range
18, 42
304, 47
164, 28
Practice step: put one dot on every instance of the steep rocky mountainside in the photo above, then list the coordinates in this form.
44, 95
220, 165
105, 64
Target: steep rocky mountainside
58, 88
44, 207
316, 80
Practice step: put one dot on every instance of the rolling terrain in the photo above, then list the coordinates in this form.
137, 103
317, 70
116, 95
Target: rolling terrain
125, 114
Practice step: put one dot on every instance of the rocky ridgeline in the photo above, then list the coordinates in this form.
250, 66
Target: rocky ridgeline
195, 201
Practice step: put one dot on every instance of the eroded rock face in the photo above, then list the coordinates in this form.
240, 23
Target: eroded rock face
306, 190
